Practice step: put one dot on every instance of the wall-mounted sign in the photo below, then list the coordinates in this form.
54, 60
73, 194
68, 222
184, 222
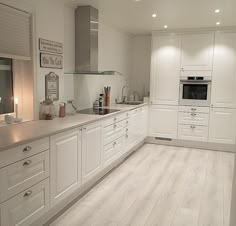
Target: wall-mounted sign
52, 86
51, 61
50, 46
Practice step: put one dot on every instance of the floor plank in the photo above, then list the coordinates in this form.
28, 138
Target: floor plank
162, 186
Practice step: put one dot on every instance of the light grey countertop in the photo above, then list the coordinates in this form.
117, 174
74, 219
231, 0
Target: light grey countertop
17, 134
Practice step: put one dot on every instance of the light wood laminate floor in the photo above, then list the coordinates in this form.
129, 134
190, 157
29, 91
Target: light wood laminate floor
162, 186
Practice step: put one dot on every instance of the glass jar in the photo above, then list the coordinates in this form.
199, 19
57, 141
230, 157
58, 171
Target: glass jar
48, 110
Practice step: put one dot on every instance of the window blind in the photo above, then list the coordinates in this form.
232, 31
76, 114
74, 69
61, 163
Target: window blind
15, 35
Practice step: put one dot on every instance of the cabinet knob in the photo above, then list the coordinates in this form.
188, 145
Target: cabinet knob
127, 136
114, 143
192, 127
27, 148
127, 130
114, 126
115, 119
27, 163
193, 114
28, 193
193, 109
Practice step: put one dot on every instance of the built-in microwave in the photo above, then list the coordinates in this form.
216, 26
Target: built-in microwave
195, 90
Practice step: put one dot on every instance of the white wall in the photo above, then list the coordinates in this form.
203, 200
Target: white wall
114, 54
140, 67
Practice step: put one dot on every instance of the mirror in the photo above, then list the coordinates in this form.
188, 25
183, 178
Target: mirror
6, 86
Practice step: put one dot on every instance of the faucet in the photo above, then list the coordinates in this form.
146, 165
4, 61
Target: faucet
123, 97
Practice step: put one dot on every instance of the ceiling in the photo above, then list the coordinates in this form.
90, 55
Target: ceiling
135, 16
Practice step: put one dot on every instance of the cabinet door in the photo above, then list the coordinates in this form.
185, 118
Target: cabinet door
26, 207
163, 121
197, 52
165, 70
222, 125
91, 151
65, 166
143, 124
224, 71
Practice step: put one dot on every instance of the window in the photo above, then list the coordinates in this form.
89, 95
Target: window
6, 86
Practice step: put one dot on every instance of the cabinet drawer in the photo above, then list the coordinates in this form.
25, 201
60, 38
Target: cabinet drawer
12, 155
192, 132
115, 119
23, 174
113, 132
194, 109
113, 149
27, 206
194, 118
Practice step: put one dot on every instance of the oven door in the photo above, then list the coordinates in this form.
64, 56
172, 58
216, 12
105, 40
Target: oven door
195, 93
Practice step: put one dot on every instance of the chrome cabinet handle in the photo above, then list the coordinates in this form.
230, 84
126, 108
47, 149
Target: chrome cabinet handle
115, 119
192, 127
114, 143
127, 130
127, 136
28, 193
193, 109
27, 148
27, 163
114, 126
193, 114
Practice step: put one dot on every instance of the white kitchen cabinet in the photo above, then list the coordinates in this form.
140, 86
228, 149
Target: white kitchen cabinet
197, 52
91, 151
143, 123
224, 71
165, 69
65, 159
222, 128
163, 121
193, 132
26, 207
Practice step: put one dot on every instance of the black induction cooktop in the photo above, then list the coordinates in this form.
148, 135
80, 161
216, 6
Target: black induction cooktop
97, 111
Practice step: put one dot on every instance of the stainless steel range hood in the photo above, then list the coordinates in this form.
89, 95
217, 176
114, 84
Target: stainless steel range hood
86, 42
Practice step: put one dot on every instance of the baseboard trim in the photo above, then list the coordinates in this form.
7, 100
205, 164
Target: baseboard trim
59, 209
192, 144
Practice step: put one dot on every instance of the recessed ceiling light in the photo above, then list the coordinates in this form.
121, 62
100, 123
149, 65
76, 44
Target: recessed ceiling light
165, 26
217, 23
154, 15
137, 0
217, 10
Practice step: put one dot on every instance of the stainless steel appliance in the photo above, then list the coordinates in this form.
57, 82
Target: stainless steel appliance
195, 90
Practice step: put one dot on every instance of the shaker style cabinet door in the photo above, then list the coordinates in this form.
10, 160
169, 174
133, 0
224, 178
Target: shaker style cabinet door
165, 69
222, 126
224, 71
163, 121
65, 165
197, 52
91, 151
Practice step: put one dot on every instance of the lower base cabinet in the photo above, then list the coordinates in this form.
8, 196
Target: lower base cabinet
91, 151
163, 121
65, 160
27, 206
222, 127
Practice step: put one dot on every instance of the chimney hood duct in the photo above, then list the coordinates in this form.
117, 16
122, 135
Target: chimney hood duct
86, 42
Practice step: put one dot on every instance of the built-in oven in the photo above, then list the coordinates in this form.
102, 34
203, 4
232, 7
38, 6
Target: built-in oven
195, 90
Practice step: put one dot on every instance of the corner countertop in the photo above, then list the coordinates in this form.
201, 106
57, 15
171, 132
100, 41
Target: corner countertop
17, 134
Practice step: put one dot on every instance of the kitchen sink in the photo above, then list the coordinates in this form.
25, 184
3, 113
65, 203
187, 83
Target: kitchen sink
131, 103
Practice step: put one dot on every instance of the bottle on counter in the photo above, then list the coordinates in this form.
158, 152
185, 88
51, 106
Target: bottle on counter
62, 109
101, 100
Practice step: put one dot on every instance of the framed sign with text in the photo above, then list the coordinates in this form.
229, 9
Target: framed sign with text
52, 86
50, 46
51, 61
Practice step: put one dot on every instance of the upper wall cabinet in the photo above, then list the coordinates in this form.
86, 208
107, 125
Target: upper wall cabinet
224, 71
165, 69
197, 52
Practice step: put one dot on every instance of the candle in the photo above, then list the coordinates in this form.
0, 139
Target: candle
16, 106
